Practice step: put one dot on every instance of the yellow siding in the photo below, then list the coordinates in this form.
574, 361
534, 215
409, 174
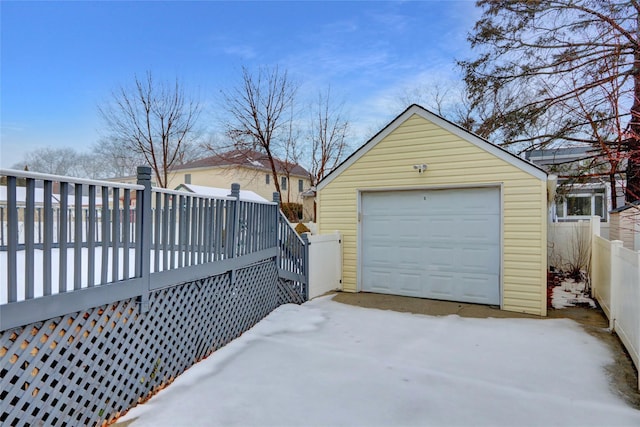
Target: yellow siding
249, 179
451, 161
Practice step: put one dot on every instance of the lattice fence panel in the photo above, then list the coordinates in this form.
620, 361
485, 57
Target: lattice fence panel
87, 368
290, 291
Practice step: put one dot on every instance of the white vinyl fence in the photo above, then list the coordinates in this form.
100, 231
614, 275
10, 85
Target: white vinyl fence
603, 274
614, 273
325, 263
616, 286
569, 244
615, 283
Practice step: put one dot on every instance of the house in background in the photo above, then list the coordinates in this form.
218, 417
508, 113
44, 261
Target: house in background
249, 169
584, 189
625, 225
427, 209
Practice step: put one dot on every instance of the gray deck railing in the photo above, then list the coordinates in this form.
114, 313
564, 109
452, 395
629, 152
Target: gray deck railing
70, 244
293, 255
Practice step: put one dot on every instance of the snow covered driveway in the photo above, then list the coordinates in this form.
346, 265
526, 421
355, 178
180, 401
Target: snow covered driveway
329, 364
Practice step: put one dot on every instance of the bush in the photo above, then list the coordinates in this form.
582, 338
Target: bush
293, 211
301, 228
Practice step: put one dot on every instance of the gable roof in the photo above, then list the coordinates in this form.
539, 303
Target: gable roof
249, 159
460, 132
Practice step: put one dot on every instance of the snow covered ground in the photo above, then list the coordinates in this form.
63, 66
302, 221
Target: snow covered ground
571, 293
329, 364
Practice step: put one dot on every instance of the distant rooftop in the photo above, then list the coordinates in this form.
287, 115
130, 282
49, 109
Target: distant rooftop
550, 156
249, 159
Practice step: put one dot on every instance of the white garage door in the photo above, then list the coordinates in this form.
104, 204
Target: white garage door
439, 244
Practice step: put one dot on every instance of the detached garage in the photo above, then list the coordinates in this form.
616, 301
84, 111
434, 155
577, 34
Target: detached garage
430, 210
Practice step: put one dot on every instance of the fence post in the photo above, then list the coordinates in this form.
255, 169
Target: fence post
594, 267
235, 192
614, 280
339, 257
12, 239
595, 225
276, 199
594, 230
307, 243
143, 235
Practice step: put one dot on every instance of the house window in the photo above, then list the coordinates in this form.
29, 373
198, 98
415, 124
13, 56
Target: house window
581, 206
283, 183
187, 178
578, 206
267, 179
300, 186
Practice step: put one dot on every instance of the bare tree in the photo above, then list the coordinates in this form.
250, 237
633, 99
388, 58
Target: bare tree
117, 160
154, 120
559, 55
293, 151
482, 116
258, 118
57, 161
440, 96
606, 128
329, 131
104, 161
121, 160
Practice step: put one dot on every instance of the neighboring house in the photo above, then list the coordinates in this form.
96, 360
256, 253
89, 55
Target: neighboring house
625, 225
249, 169
583, 191
246, 195
427, 209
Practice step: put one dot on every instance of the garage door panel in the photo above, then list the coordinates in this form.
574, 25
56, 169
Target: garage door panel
379, 228
437, 226
478, 260
440, 286
482, 289
410, 257
482, 230
440, 258
410, 284
442, 244
408, 228
380, 280
378, 255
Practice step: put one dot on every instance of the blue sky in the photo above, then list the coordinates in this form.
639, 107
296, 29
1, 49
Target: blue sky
60, 60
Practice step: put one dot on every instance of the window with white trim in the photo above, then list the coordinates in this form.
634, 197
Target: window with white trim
283, 183
581, 206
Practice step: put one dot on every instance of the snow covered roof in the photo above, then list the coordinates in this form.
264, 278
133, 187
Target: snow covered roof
246, 195
21, 197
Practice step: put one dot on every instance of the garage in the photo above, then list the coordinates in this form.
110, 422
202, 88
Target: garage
427, 209
438, 244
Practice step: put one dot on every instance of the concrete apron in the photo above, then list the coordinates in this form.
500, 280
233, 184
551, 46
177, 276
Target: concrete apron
623, 375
